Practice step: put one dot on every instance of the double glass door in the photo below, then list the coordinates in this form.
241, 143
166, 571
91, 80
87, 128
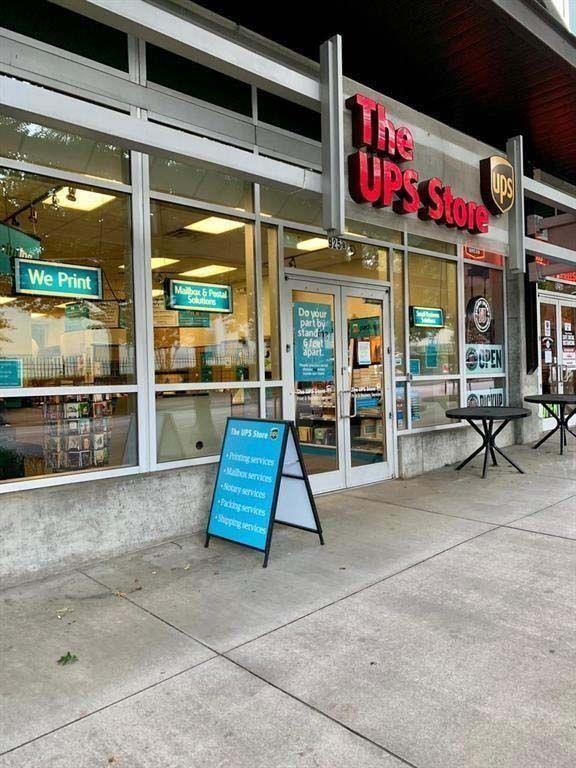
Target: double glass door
338, 393
558, 346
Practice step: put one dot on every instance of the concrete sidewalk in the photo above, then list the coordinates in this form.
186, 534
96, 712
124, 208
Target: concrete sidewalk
435, 629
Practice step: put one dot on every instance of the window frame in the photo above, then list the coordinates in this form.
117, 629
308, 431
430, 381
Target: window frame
261, 383
461, 375
499, 377
134, 190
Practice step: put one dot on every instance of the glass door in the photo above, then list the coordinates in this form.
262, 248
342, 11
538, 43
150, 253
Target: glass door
567, 357
337, 393
557, 348
549, 348
313, 350
366, 410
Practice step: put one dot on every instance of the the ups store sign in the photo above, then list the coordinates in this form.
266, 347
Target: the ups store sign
497, 184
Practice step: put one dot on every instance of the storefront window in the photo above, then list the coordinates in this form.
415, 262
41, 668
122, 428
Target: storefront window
429, 244
484, 298
430, 400
399, 305
66, 299
203, 292
42, 436
190, 425
485, 392
38, 144
485, 257
198, 183
271, 302
401, 417
305, 250
433, 315
274, 403
363, 229
557, 286
303, 207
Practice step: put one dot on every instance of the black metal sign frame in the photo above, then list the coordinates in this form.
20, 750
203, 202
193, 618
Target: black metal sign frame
290, 429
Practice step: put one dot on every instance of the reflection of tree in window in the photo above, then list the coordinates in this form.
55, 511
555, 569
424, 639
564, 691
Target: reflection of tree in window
432, 283
66, 339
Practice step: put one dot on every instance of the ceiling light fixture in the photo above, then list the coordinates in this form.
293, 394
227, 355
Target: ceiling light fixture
77, 199
37, 315
158, 262
312, 244
157, 292
7, 299
214, 225
209, 271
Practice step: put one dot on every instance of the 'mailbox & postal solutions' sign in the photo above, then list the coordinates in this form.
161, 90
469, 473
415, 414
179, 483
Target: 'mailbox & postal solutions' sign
376, 175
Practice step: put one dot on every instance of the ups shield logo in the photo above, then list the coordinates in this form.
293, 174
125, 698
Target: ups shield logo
497, 184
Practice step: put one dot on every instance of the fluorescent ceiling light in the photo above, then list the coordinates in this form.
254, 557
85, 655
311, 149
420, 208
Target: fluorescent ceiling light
78, 199
214, 225
312, 244
7, 299
36, 315
157, 262
209, 271
64, 304
157, 292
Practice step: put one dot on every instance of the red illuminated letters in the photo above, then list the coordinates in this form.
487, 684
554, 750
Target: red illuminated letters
372, 129
375, 175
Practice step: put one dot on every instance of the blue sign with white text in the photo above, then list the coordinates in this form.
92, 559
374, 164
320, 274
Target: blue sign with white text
48, 278
246, 486
313, 341
204, 297
11, 373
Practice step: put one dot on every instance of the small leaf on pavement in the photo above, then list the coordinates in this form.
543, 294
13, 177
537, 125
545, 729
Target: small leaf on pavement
68, 658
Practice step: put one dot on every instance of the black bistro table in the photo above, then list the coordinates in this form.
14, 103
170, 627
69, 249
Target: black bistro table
566, 409
482, 420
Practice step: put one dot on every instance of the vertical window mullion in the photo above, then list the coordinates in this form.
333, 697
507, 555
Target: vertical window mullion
461, 325
407, 338
148, 379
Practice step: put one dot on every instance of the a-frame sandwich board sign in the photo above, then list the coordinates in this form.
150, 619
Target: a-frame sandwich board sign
261, 480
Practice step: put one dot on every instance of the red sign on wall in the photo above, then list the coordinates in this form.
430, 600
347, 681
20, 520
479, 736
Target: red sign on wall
376, 175
487, 257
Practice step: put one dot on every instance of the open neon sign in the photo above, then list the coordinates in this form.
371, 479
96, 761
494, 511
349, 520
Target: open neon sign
375, 175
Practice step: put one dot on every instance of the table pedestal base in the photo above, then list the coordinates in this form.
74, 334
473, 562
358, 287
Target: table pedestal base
489, 446
561, 425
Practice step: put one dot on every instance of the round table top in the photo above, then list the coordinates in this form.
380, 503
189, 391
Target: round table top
490, 413
551, 399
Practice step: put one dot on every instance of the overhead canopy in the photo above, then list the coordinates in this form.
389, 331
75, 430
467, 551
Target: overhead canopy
490, 68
